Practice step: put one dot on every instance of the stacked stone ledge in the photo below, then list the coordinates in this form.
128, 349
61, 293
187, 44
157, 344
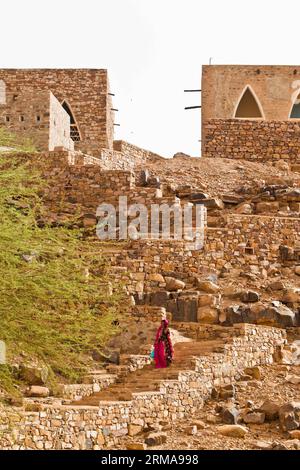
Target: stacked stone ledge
71, 427
253, 140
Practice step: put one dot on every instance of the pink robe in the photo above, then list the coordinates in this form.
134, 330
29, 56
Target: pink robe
160, 350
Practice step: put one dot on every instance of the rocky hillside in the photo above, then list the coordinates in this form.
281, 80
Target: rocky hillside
56, 309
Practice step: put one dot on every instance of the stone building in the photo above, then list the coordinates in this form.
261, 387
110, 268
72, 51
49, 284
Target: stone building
83, 94
37, 116
251, 112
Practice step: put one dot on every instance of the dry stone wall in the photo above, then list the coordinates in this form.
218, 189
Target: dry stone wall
124, 156
245, 241
71, 427
252, 140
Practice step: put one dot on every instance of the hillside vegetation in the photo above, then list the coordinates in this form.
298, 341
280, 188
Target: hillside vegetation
54, 309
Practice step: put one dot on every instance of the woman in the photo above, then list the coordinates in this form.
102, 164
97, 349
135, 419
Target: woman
163, 349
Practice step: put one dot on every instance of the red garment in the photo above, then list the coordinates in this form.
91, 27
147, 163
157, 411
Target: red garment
163, 349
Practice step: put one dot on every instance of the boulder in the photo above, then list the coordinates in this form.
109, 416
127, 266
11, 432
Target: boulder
225, 392
136, 446
207, 286
173, 284
290, 354
297, 270
233, 430
159, 298
289, 416
212, 419
181, 155
156, 277
207, 300
274, 314
263, 445
240, 314
198, 196
33, 374
249, 296
37, 391
191, 430
112, 356
284, 316
29, 257
156, 439
254, 372
293, 379
290, 295
213, 203
244, 209
199, 423
292, 444
183, 309
255, 417
134, 429
277, 285
207, 315
230, 415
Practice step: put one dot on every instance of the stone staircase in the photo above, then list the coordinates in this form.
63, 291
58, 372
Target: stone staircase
148, 379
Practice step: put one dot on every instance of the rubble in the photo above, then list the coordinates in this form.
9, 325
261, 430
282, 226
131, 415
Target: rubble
234, 430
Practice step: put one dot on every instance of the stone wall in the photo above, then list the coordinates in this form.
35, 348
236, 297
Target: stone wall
273, 85
275, 88
71, 427
86, 92
136, 153
250, 241
124, 156
78, 184
246, 242
252, 140
44, 121
31, 122
59, 128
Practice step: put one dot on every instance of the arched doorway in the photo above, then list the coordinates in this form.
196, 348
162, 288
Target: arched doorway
295, 111
248, 106
74, 131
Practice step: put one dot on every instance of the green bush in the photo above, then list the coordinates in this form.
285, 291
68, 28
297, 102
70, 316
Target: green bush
53, 306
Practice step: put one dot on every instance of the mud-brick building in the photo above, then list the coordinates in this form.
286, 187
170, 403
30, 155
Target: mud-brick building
251, 112
82, 94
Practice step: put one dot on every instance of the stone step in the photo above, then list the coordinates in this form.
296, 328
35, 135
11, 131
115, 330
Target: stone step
149, 378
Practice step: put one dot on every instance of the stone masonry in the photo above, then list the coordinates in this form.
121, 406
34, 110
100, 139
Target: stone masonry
86, 91
44, 120
82, 427
273, 135
252, 140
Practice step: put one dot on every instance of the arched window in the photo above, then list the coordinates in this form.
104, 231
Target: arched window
74, 131
248, 106
295, 111
2, 92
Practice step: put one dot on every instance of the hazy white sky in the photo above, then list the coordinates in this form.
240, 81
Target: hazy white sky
153, 50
